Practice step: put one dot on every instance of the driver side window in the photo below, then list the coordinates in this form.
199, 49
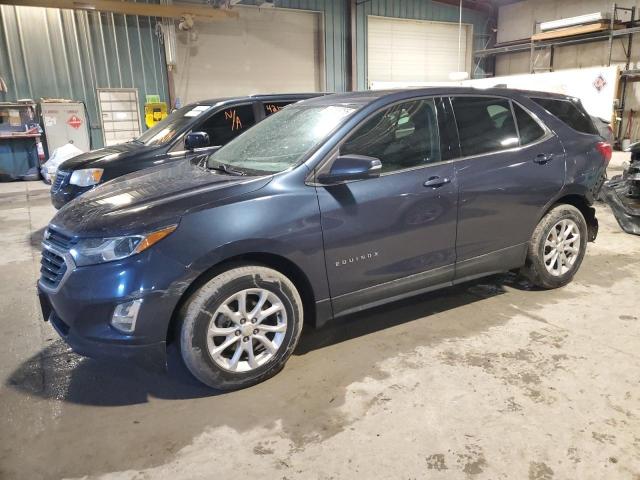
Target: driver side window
401, 136
227, 124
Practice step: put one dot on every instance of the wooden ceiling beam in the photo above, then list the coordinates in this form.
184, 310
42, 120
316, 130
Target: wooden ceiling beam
174, 10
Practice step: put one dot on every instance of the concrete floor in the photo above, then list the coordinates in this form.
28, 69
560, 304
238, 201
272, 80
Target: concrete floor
485, 380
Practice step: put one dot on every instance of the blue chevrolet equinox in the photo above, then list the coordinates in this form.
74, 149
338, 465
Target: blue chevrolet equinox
328, 207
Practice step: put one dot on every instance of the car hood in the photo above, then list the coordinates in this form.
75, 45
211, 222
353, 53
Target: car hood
149, 199
103, 156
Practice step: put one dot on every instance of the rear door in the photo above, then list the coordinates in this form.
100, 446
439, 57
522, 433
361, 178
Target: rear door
512, 165
386, 236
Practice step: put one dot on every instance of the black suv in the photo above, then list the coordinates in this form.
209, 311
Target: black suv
331, 206
198, 128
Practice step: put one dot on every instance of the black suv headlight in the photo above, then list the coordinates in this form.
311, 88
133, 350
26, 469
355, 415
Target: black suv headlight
91, 251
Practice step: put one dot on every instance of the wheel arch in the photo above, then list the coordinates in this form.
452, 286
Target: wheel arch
265, 259
581, 202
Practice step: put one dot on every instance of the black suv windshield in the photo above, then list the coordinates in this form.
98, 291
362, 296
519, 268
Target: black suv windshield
281, 140
166, 130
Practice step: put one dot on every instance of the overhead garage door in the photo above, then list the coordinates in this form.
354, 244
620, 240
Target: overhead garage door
262, 51
415, 50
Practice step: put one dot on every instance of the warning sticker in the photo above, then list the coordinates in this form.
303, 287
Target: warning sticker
74, 121
195, 111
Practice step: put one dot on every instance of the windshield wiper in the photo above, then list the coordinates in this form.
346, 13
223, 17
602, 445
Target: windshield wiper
221, 167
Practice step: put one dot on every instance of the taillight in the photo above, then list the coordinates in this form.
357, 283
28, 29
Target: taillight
605, 150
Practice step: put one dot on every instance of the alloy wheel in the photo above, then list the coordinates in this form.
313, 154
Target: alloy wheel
562, 247
247, 330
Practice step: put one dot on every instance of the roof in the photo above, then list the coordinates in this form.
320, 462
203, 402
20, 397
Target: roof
368, 96
365, 97
259, 97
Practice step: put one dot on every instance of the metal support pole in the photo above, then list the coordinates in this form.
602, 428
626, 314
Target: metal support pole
611, 24
623, 95
533, 49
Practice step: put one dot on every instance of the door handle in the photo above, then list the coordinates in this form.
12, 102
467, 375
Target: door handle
543, 158
436, 182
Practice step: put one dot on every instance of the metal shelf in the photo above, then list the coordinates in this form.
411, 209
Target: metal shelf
526, 46
609, 34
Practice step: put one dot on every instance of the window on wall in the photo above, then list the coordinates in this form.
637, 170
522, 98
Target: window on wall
119, 113
227, 124
485, 124
402, 136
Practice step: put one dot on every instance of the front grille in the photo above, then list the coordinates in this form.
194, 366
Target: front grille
52, 268
60, 181
59, 239
52, 265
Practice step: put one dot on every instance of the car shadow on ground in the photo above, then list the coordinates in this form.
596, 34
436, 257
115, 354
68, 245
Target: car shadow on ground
36, 237
58, 373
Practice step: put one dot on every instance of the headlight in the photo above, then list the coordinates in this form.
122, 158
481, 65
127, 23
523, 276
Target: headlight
86, 177
91, 251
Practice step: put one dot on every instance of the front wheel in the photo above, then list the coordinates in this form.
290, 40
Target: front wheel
557, 247
241, 327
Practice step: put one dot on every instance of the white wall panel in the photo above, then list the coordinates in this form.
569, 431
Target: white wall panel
263, 51
414, 50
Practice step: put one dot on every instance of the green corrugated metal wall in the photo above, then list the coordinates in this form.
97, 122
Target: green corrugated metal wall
46, 52
413, 9
61, 53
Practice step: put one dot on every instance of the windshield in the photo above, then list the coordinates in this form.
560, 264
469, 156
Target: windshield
166, 130
282, 139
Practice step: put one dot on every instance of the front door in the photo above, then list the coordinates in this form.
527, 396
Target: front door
512, 166
387, 236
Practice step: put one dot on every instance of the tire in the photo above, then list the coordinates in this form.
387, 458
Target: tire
213, 316
540, 268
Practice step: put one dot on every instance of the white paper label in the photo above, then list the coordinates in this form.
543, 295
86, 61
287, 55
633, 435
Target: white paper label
195, 111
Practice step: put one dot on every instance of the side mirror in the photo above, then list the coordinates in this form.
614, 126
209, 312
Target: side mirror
195, 140
351, 167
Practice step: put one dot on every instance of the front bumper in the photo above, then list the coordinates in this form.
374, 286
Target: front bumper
151, 357
81, 307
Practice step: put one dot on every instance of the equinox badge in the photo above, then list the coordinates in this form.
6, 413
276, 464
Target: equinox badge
356, 259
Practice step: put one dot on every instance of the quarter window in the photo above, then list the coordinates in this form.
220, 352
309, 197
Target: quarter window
529, 129
485, 124
401, 136
227, 124
569, 113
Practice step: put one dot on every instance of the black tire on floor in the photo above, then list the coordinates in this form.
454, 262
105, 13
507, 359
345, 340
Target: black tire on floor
535, 270
197, 315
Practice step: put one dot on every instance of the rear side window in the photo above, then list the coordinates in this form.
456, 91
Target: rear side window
569, 113
485, 124
401, 136
529, 129
273, 107
227, 124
